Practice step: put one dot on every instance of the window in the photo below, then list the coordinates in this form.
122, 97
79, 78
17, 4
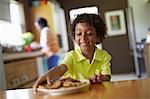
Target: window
10, 32
74, 12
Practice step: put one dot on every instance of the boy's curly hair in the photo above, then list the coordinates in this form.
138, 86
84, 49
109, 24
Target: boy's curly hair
94, 20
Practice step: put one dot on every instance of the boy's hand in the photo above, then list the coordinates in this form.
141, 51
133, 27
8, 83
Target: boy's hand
95, 79
40, 81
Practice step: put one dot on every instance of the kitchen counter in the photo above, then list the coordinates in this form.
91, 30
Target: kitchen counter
23, 55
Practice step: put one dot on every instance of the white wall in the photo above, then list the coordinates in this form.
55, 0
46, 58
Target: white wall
141, 17
60, 25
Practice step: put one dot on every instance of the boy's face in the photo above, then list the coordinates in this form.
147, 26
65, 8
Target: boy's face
85, 36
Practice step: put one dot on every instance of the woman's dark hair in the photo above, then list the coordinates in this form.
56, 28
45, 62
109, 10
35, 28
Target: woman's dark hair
92, 20
42, 22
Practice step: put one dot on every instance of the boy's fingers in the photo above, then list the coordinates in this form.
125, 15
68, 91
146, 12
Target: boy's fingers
35, 87
93, 78
98, 78
48, 80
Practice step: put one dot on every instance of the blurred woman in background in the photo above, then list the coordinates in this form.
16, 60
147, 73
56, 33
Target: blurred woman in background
48, 42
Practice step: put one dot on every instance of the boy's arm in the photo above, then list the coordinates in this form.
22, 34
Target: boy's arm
56, 72
53, 73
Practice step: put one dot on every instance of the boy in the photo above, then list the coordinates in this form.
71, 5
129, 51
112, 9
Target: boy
87, 61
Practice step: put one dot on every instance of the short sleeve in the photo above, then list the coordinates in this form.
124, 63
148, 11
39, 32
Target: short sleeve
68, 60
106, 69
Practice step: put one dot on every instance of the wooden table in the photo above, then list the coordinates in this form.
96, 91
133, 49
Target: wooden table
131, 89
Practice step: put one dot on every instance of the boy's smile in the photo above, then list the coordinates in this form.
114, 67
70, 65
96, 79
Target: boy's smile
85, 36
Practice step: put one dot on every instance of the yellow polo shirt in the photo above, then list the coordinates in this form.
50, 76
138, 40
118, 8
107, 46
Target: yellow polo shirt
79, 67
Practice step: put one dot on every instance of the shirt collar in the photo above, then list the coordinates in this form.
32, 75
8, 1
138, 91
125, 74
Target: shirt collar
97, 55
80, 56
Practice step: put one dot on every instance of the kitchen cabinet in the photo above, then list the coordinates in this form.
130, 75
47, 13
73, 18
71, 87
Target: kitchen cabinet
4, 10
20, 72
21, 69
147, 58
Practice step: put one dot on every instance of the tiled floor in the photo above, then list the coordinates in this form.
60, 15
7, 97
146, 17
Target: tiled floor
129, 76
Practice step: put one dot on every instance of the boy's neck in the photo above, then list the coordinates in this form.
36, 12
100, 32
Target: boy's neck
88, 54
